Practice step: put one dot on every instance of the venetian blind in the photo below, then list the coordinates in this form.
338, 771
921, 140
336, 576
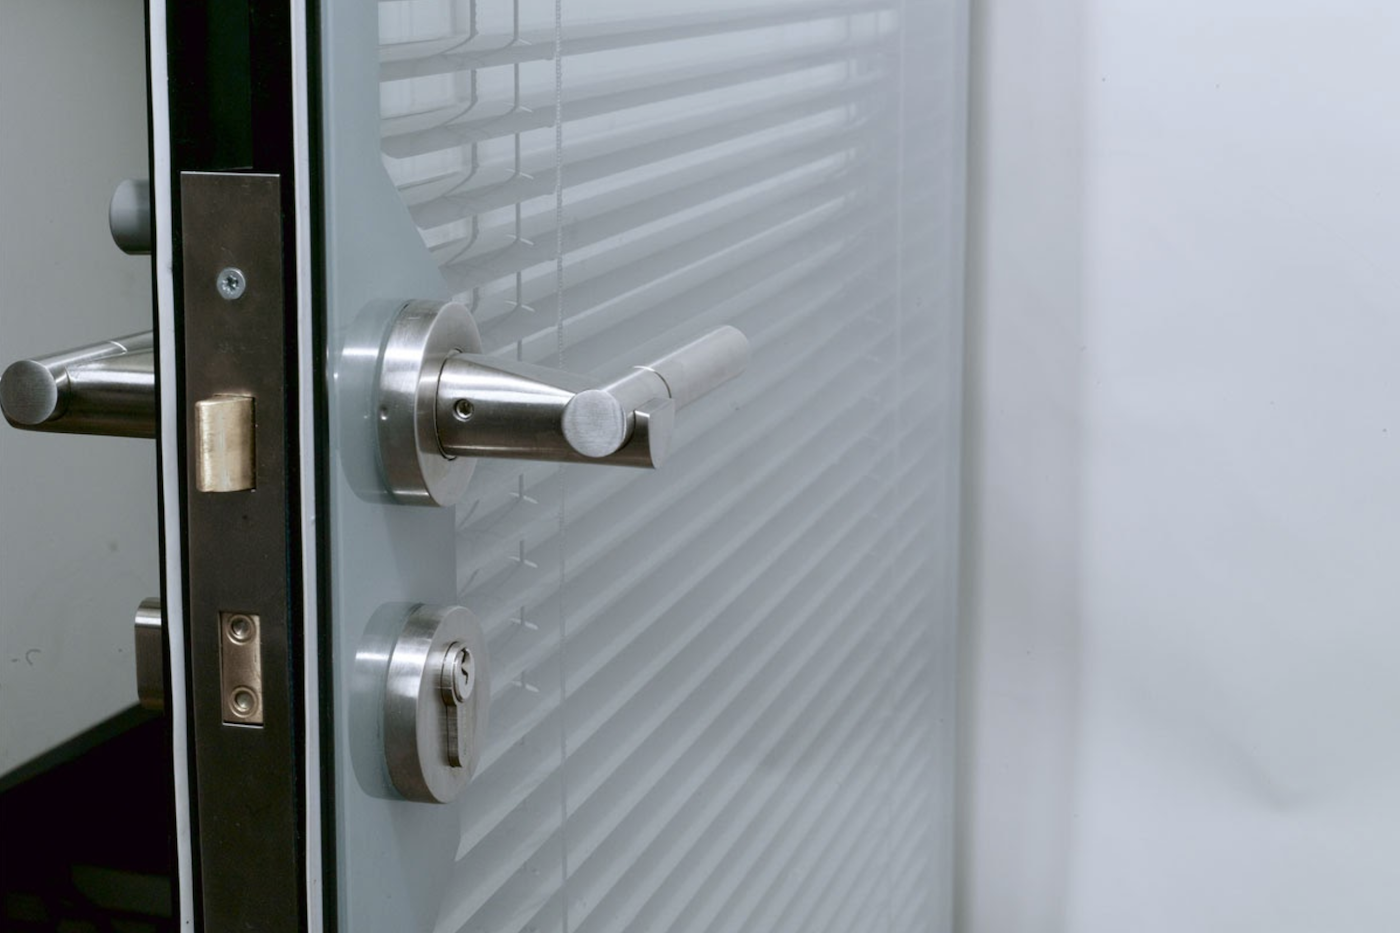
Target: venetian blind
722, 692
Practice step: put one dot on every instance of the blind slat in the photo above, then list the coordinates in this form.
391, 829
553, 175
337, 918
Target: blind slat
456, 53
447, 199
495, 253
675, 810
461, 867
458, 125
775, 839
500, 851
685, 556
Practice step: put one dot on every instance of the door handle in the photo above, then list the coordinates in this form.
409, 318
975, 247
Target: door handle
106, 388
494, 408
599, 422
441, 402
129, 217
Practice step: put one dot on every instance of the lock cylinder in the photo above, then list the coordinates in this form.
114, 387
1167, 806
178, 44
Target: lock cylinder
436, 696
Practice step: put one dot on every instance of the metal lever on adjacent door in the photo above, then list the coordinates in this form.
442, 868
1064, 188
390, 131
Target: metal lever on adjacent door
107, 388
129, 217
441, 402
150, 661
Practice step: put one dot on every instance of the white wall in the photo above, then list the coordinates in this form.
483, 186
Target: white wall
1182, 584
78, 546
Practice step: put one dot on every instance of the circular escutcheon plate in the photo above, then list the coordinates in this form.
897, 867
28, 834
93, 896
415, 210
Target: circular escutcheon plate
422, 337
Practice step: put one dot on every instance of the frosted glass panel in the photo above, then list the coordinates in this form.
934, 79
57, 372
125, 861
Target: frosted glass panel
722, 691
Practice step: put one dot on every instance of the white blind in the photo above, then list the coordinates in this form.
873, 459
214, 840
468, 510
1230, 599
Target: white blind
722, 692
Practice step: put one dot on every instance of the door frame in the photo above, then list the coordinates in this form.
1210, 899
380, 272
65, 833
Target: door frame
231, 92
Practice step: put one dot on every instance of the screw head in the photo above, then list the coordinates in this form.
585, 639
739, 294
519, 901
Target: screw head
462, 409
240, 628
231, 284
243, 701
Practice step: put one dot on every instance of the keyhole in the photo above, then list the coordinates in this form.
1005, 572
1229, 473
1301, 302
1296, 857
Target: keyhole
462, 675
456, 686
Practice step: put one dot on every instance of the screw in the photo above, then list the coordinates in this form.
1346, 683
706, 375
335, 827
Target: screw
232, 284
240, 628
244, 701
462, 409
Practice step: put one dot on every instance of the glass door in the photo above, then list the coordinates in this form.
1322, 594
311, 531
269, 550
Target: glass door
642, 335
557, 413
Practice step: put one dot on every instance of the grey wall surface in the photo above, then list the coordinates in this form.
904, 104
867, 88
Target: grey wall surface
78, 546
1183, 520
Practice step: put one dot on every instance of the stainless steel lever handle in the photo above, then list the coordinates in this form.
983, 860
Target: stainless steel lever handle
599, 422
493, 408
106, 388
441, 403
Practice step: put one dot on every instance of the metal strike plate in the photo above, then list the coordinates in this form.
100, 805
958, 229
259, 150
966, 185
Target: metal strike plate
436, 697
240, 664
